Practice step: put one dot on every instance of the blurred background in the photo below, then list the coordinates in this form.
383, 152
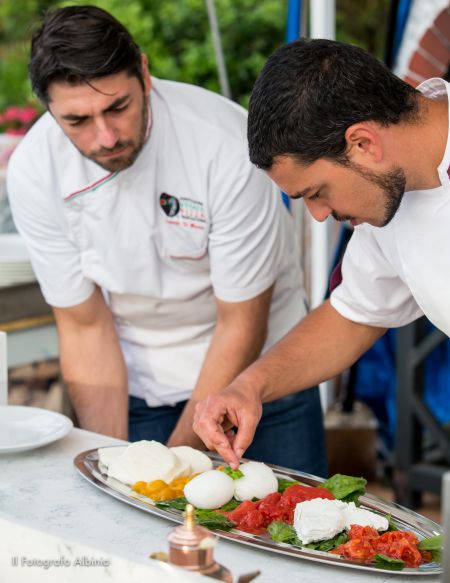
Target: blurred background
176, 36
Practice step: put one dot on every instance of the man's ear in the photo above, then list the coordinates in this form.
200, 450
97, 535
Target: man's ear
146, 74
364, 144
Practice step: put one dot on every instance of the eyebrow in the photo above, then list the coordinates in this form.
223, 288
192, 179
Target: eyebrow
305, 192
114, 105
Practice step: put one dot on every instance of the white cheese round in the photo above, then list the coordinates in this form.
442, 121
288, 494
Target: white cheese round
197, 460
362, 517
319, 519
145, 461
107, 454
209, 490
258, 481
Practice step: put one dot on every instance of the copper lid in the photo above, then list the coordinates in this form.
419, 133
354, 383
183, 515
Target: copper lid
191, 546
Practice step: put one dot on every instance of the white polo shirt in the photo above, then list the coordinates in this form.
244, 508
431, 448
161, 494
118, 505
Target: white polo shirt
394, 274
191, 220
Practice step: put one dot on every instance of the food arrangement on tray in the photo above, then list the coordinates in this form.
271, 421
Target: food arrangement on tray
267, 506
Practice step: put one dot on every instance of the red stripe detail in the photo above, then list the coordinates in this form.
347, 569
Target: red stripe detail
336, 276
89, 187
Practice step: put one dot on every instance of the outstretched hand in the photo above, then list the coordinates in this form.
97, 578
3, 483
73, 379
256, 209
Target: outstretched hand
216, 415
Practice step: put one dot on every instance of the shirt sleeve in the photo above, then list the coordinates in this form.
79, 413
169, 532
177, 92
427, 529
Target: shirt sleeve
249, 230
371, 291
41, 223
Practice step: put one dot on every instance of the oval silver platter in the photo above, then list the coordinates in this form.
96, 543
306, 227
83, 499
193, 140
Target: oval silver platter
87, 465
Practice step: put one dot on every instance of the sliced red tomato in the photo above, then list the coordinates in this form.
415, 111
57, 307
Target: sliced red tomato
357, 548
253, 522
298, 493
427, 556
362, 532
271, 509
238, 513
399, 545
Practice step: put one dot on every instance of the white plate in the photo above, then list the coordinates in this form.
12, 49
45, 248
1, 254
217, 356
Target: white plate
23, 428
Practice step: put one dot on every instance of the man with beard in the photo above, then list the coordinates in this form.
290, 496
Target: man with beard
169, 259
331, 125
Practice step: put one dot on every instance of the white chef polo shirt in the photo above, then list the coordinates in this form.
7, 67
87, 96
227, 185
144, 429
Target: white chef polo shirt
394, 274
189, 221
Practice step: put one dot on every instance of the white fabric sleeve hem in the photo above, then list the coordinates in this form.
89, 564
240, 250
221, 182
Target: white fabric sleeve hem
243, 294
65, 300
378, 320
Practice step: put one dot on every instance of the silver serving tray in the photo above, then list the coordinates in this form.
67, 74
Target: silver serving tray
87, 465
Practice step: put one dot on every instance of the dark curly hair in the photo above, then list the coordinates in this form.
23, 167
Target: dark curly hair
77, 44
308, 94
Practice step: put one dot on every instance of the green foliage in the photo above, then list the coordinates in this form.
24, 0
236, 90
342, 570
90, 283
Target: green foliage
363, 23
175, 34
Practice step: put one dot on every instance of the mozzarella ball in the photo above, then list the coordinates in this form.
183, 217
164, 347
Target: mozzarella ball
144, 461
209, 490
107, 454
258, 481
197, 460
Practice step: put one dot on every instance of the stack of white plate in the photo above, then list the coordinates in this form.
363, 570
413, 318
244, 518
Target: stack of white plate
15, 265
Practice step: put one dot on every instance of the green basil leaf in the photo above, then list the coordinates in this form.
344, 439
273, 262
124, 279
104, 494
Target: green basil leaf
385, 562
213, 520
283, 532
345, 488
175, 503
392, 525
231, 505
283, 484
330, 544
235, 474
433, 544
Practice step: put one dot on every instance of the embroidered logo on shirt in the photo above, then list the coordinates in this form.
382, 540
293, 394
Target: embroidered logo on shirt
169, 204
188, 212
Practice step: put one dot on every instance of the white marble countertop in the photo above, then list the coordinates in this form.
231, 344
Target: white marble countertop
41, 491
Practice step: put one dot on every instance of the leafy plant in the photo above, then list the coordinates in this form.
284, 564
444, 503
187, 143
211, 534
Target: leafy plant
175, 34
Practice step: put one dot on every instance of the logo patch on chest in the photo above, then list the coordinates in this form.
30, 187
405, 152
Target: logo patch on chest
169, 204
188, 212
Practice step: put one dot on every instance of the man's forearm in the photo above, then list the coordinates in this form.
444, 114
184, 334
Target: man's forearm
94, 371
235, 344
318, 348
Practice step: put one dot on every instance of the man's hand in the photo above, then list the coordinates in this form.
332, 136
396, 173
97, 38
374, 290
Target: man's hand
234, 407
319, 347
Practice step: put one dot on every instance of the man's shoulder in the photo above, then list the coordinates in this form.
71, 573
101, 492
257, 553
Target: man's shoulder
201, 107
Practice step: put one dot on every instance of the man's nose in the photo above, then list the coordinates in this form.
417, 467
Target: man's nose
106, 135
319, 210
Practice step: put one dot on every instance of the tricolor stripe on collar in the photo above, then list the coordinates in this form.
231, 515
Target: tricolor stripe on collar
92, 187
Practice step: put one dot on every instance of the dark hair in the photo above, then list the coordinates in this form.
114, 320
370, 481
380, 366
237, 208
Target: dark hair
309, 93
77, 44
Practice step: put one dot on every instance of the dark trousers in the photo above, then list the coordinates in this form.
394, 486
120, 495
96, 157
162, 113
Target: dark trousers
289, 434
